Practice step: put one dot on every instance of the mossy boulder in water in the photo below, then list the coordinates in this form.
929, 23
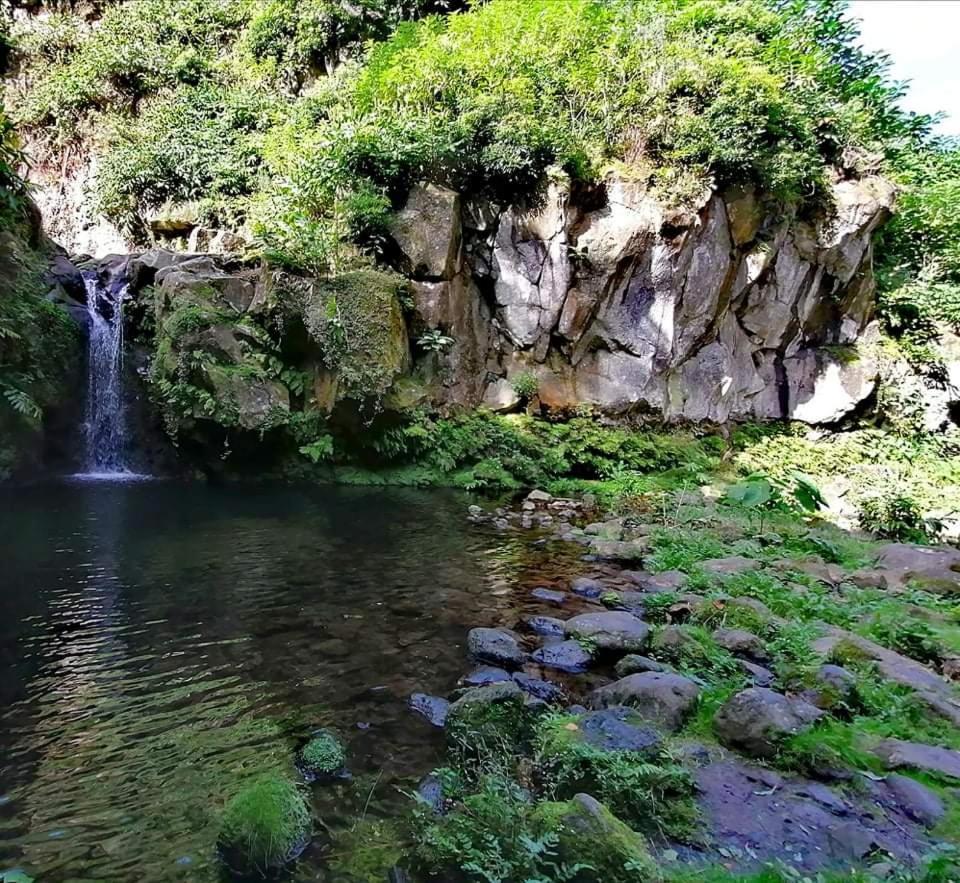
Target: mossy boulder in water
593, 838
265, 826
323, 756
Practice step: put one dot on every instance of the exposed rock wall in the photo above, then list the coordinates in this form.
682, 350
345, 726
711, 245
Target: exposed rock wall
602, 297
610, 298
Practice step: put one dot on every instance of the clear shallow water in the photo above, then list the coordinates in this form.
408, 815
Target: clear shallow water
159, 643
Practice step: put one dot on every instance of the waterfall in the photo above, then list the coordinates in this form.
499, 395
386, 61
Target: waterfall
105, 417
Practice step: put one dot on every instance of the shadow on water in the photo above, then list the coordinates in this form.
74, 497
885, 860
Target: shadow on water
162, 642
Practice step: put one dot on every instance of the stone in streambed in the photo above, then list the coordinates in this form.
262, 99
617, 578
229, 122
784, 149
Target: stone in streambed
551, 596
758, 720
539, 689
496, 712
664, 698
431, 708
566, 656
545, 625
613, 631
495, 646
587, 588
483, 675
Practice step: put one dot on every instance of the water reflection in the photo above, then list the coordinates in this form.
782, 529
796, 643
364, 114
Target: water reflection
162, 642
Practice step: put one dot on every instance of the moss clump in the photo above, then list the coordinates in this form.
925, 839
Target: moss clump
265, 826
593, 838
357, 320
323, 755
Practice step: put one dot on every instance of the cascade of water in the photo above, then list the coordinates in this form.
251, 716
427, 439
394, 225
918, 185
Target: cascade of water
105, 417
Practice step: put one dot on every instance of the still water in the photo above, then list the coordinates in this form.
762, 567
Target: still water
161, 643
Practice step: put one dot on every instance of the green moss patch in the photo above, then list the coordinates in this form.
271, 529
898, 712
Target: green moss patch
265, 826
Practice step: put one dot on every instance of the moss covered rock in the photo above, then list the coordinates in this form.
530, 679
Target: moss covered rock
264, 827
591, 836
323, 756
491, 717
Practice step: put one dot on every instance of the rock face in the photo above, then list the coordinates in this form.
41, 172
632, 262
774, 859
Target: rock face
612, 298
757, 720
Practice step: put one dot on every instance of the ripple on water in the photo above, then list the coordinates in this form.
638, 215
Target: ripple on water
161, 643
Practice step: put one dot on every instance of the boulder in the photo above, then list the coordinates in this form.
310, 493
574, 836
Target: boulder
757, 721
484, 675
729, 566
664, 698
613, 631
617, 729
898, 754
761, 677
740, 642
539, 689
254, 401
567, 656
634, 664
427, 230
432, 708
590, 836
666, 581
496, 712
587, 588
916, 799
545, 625
495, 646
933, 566
824, 386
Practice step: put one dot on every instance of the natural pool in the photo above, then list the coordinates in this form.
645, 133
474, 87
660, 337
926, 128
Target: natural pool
161, 643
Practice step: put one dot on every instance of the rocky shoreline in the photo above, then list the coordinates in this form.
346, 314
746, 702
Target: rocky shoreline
677, 674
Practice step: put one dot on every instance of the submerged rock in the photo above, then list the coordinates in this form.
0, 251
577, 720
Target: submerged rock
664, 698
496, 646
757, 720
539, 689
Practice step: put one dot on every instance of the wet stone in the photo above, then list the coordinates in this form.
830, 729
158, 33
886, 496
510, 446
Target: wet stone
566, 656
496, 646
539, 689
587, 588
634, 664
483, 675
545, 625
551, 596
432, 708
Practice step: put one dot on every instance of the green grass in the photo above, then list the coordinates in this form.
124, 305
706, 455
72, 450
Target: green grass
264, 826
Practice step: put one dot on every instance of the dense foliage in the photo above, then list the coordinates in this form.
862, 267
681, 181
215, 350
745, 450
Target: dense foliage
259, 111
38, 342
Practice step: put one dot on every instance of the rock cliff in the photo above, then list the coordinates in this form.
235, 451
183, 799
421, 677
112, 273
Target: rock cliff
601, 297
612, 299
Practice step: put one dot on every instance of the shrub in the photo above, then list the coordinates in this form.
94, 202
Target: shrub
898, 517
265, 826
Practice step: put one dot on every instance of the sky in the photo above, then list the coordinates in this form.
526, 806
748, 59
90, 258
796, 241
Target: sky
923, 39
